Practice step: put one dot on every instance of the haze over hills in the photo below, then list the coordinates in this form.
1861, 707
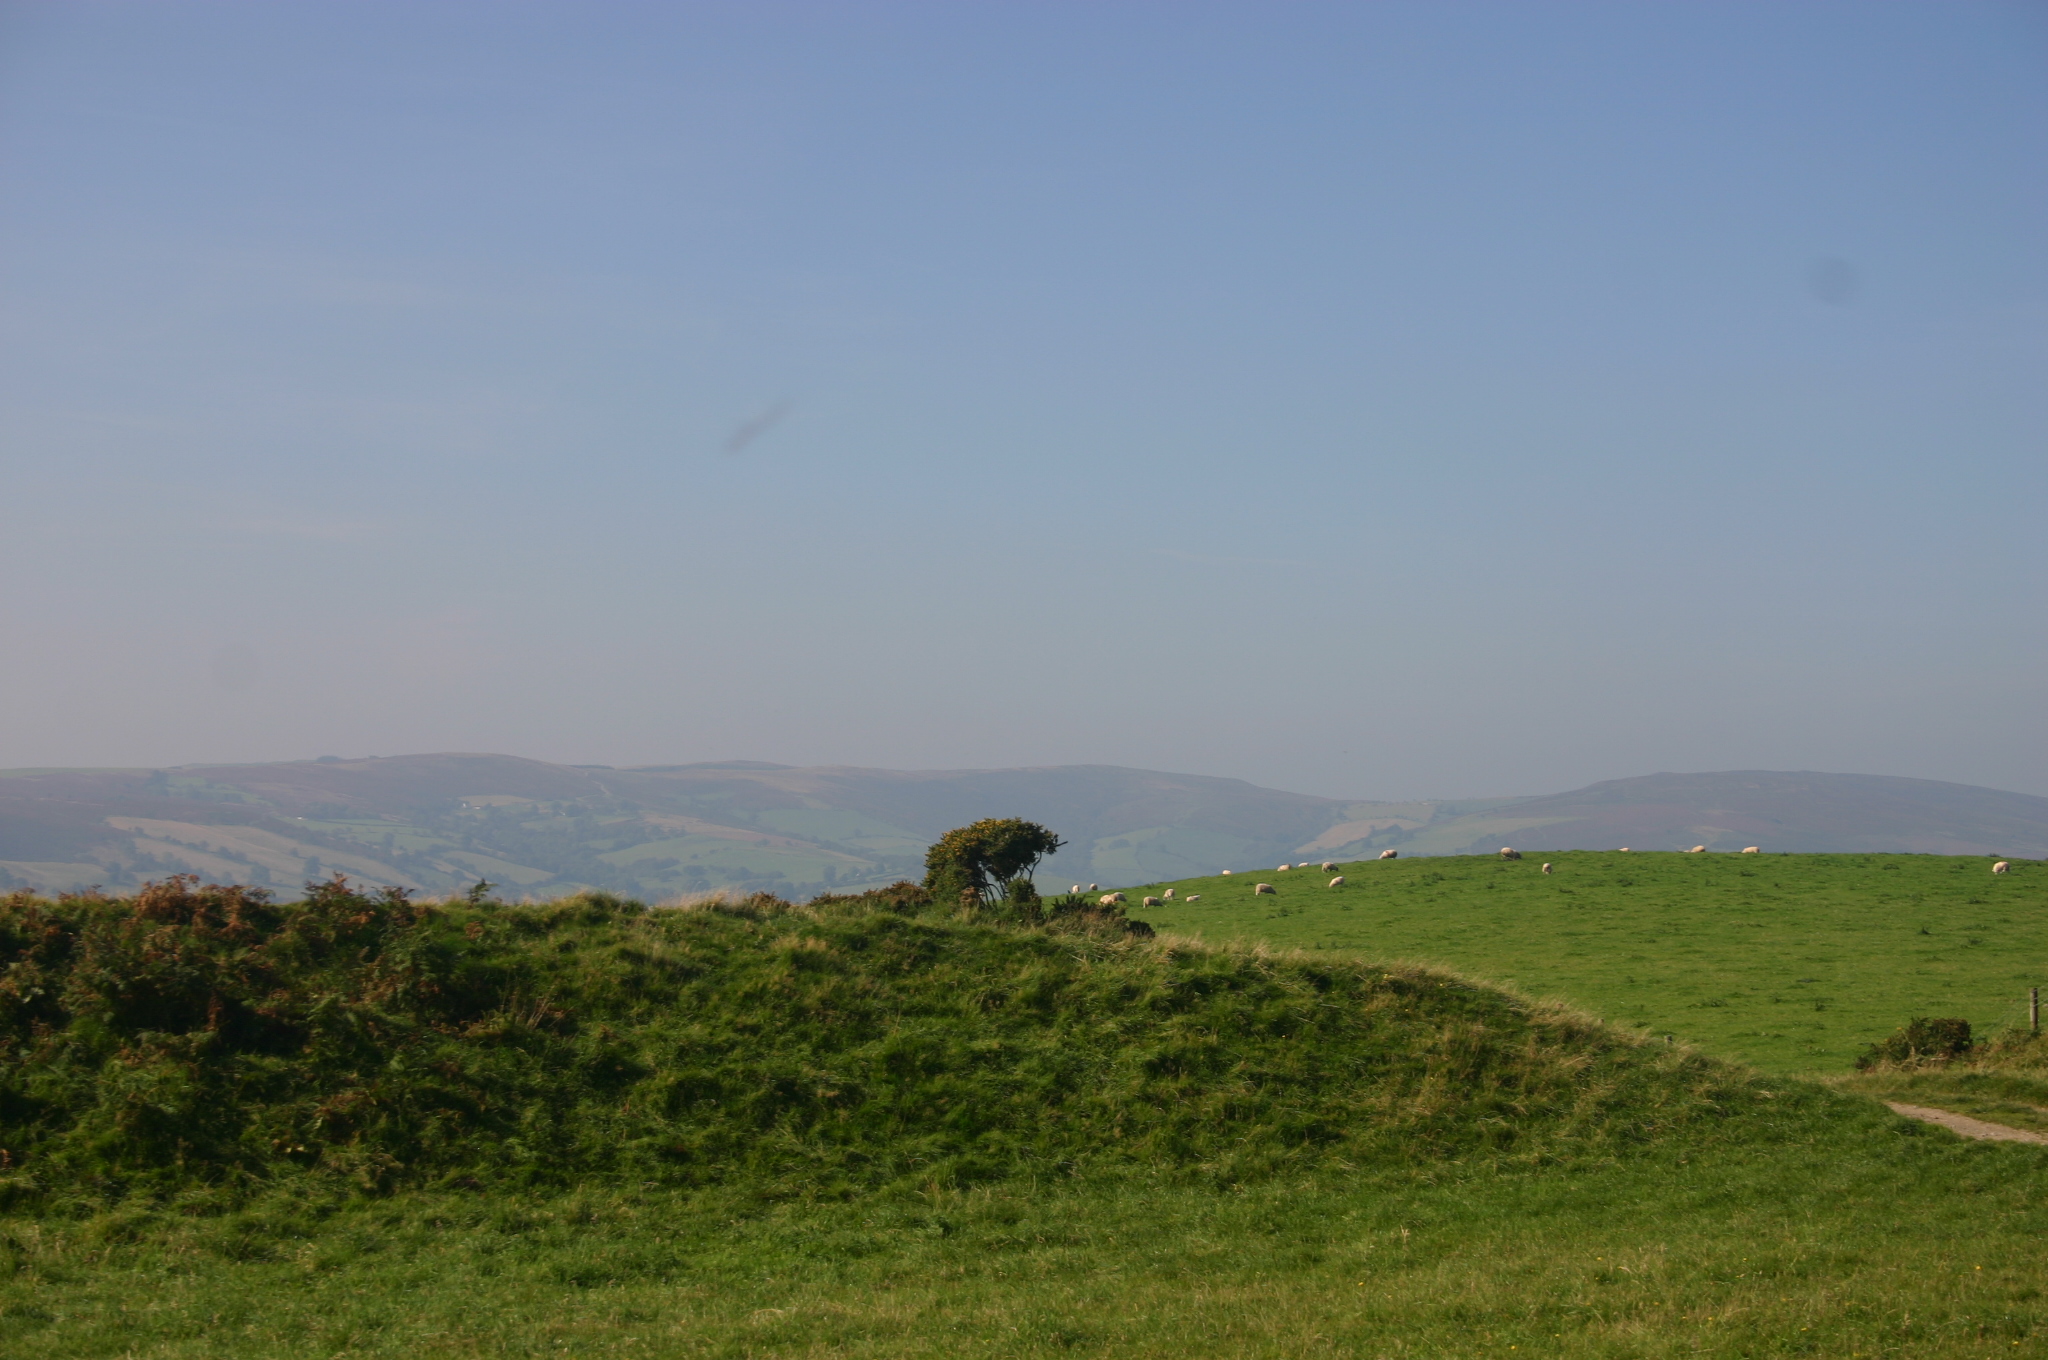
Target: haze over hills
438, 823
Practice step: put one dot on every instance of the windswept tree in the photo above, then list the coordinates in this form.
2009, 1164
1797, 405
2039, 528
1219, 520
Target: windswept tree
991, 861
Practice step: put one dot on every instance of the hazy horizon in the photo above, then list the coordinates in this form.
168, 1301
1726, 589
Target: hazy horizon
743, 762
1388, 401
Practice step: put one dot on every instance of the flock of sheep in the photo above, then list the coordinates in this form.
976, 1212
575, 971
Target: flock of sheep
1329, 866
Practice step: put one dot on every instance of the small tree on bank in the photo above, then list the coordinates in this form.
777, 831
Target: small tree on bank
991, 861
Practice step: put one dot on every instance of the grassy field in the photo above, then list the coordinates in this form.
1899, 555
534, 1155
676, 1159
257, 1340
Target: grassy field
1863, 1236
863, 1129
1793, 963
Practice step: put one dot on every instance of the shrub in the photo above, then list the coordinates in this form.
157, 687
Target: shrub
902, 896
982, 864
1919, 1040
1088, 915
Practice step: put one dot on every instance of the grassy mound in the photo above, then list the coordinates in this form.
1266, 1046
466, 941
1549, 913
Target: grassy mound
205, 1040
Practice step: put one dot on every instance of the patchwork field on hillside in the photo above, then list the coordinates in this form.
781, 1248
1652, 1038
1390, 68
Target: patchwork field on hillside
1791, 962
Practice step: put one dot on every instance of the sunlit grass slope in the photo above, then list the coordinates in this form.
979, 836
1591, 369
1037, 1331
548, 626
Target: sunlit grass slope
1791, 962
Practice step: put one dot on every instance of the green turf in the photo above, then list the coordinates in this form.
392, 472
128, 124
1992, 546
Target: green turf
1863, 1236
1792, 962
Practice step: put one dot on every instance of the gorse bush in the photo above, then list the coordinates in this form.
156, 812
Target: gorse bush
203, 1036
1919, 1040
988, 863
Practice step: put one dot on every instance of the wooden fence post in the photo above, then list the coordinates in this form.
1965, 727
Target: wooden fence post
2034, 1009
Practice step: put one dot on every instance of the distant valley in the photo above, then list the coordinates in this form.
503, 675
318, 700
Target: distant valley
437, 824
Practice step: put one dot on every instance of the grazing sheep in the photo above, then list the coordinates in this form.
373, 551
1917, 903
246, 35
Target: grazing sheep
1509, 852
1152, 902
1094, 887
1337, 882
1110, 899
1285, 867
1226, 873
1390, 854
1258, 888
1076, 889
1752, 850
1697, 850
1546, 868
1168, 895
2001, 866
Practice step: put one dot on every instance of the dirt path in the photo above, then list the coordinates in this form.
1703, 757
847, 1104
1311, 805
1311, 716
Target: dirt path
1968, 1127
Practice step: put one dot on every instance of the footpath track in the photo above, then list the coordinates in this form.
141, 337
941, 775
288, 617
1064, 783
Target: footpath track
1966, 1126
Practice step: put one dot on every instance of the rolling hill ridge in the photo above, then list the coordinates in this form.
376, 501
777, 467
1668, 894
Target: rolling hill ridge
439, 823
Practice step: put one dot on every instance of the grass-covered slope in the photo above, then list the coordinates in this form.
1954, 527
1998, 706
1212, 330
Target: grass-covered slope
191, 1037
1793, 962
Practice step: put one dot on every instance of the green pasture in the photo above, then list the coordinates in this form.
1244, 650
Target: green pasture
1794, 963
1861, 1235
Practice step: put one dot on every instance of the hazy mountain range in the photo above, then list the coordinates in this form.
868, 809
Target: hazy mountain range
438, 823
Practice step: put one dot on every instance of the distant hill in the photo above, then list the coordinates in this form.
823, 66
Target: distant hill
1802, 811
438, 823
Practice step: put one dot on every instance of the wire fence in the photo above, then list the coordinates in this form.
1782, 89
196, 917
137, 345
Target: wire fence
2020, 1015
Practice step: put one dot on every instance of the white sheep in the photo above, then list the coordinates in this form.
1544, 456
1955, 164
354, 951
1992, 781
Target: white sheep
1167, 895
1697, 850
1337, 882
2001, 867
1390, 854
1622, 851
1192, 897
1076, 889
1094, 887
1110, 899
1509, 852
1752, 849
1285, 867
1226, 873
1546, 868
1258, 888
1329, 866
1151, 902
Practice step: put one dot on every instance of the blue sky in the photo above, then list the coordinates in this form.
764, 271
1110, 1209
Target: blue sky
1375, 399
